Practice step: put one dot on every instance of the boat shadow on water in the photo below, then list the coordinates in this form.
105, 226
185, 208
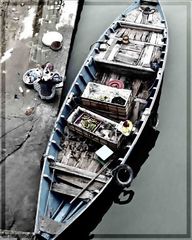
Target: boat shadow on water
83, 227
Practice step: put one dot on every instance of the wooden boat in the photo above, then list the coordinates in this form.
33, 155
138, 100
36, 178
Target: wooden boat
99, 125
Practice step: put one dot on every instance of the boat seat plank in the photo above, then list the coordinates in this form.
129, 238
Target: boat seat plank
140, 26
78, 172
112, 64
78, 182
70, 191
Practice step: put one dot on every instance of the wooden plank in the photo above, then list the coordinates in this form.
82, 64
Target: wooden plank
132, 34
139, 18
140, 26
113, 52
108, 52
138, 35
50, 226
126, 58
70, 191
148, 52
111, 64
132, 16
94, 166
120, 32
135, 114
127, 32
135, 86
78, 172
144, 36
159, 39
157, 19
132, 47
78, 182
131, 54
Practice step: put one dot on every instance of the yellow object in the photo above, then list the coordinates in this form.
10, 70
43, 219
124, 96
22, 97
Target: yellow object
126, 130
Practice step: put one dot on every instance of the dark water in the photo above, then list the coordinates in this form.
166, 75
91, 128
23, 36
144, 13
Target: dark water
159, 204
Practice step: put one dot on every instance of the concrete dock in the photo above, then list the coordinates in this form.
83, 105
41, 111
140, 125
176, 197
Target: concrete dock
26, 120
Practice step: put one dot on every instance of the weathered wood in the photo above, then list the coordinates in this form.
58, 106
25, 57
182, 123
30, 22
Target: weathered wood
120, 32
111, 64
157, 19
132, 47
50, 226
138, 35
92, 180
159, 39
144, 36
94, 166
110, 49
126, 58
78, 172
113, 52
132, 16
148, 52
85, 161
78, 182
135, 114
135, 86
132, 34
140, 26
139, 18
127, 32
156, 54
70, 191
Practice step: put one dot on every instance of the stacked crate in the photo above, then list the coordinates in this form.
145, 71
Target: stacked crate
105, 105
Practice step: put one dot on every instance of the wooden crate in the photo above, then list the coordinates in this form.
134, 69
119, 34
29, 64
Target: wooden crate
122, 111
76, 115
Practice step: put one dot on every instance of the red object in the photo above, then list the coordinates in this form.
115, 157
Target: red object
115, 83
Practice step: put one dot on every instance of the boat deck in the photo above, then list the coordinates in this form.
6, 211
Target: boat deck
79, 152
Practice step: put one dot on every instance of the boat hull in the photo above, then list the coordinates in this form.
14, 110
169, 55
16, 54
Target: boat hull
51, 204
